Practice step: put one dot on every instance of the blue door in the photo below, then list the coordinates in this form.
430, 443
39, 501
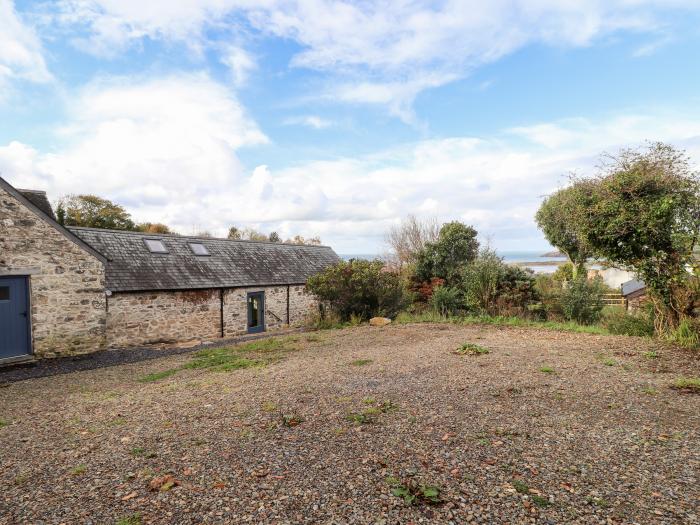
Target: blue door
256, 312
14, 317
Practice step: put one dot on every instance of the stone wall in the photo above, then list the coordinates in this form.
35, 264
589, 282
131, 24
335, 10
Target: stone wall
236, 309
66, 281
142, 318
302, 304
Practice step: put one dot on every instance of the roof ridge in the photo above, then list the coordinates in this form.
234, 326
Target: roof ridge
180, 236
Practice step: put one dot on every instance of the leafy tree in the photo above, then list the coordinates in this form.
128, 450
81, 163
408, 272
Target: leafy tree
557, 218
94, 212
298, 239
275, 237
643, 213
153, 227
252, 234
408, 239
234, 233
359, 288
455, 247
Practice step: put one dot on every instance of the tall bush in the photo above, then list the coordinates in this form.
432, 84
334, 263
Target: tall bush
493, 287
361, 288
446, 300
582, 300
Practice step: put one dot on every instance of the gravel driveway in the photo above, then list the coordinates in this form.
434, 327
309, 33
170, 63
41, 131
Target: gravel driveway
545, 428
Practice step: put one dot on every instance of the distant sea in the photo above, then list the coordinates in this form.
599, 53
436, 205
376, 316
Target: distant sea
530, 256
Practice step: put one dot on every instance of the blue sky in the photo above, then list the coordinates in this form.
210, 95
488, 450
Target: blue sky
336, 118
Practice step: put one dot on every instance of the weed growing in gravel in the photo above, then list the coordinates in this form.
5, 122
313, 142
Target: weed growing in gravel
650, 391
156, 376
369, 401
361, 418
598, 502
222, 360
143, 453
608, 361
651, 354
471, 349
388, 406
540, 501
131, 519
547, 370
521, 487
414, 493
361, 362
687, 384
79, 470
292, 420
3, 423
269, 406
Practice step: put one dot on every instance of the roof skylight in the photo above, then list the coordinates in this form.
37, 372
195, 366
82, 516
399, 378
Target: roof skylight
198, 248
155, 246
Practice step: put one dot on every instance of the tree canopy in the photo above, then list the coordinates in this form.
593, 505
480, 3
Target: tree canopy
94, 212
642, 212
455, 247
557, 218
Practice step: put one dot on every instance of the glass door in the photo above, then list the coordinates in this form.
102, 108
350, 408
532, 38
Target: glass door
256, 312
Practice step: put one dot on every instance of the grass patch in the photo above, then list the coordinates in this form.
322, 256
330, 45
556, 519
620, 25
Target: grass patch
132, 519
3, 423
547, 370
687, 384
361, 362
650, 391
540, 501
157, 376
78, 471
651, 354
471, 349
222, 360
430, 317
608, 361
521, 487
254, 354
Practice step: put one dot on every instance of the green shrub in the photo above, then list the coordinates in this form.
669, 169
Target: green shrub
622, 323
564, 272
446, 300
686, 335
360, 287
582, 300
495, 288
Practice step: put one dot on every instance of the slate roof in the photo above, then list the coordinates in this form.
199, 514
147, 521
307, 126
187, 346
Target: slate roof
132, 267
632, 286
40, 200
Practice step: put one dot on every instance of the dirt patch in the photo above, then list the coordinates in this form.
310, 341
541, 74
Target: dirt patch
418, 432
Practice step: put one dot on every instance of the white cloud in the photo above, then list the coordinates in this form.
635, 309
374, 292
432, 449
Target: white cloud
239, 62
157, 146
376, 52
167, 149
21, 54
311, 121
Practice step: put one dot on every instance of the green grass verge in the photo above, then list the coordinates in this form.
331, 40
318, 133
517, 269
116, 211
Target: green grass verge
430, 317
254, 354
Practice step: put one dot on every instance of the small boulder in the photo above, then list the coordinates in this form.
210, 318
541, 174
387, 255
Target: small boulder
379, 321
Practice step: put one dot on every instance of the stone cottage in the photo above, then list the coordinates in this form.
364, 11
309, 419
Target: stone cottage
66, 290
